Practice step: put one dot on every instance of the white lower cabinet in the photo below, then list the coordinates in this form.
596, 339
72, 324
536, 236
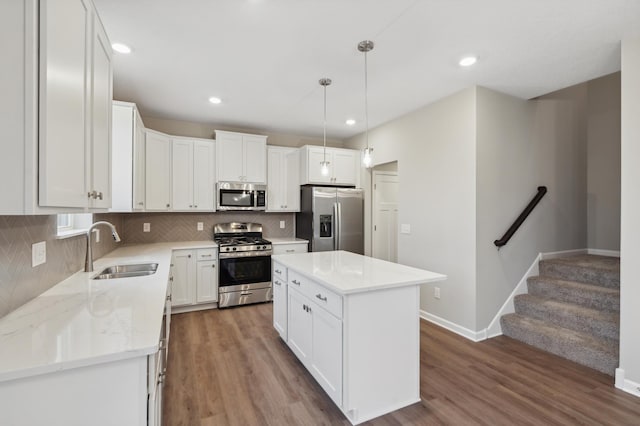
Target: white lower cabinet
194, 278
290, 248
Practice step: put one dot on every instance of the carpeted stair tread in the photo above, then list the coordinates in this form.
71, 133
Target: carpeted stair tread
588, 295
590, 269
568, 315
597, 353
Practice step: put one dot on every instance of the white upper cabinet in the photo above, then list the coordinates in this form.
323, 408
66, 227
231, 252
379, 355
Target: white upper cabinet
75, 107
193, 174
127, 158
158, 170
343, 166
283, 179
241, 157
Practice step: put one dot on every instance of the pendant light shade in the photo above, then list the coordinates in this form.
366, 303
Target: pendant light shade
324, 164
365, 47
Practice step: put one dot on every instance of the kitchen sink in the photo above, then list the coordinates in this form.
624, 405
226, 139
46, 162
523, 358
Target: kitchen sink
127, 271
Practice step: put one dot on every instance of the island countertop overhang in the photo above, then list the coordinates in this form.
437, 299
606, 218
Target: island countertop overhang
349, 273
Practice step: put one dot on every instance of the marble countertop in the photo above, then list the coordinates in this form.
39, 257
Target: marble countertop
81, 321
346, 272
290, 240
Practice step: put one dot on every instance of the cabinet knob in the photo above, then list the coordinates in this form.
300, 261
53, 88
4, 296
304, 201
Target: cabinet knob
213, 266
99, 195
141, 203
168, 205
190, 206
189, 256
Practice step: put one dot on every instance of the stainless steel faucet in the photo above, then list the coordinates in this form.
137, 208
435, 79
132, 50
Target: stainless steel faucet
88, 261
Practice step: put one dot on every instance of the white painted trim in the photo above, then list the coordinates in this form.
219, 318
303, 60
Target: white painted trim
476, 336
565, 253
599, 252
626, 385
495, 329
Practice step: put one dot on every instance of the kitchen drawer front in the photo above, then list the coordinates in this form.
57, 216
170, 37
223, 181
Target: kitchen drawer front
207, 254
290, 248
279, 271
325, 298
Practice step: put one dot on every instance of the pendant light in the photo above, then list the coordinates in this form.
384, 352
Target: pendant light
366, 46
324, 164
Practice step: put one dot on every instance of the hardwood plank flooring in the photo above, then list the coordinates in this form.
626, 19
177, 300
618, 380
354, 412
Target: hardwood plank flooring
229, 367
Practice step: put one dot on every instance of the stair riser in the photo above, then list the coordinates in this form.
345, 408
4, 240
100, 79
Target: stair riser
590, 357
570, 320
582, 274
593, 300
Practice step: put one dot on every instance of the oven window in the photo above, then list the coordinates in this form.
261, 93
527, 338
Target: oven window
245, 270
236, 198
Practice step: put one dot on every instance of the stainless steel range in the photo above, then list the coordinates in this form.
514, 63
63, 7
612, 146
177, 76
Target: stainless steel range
244, 261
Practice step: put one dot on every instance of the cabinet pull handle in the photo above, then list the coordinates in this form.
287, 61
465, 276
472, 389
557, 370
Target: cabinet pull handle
278, 271
290, 251
141, 203
168, 205
277, 283
205, 255
195, 205
295, 282
304, 307
213, 266
319, 296
190, 205
169, 298
99, 195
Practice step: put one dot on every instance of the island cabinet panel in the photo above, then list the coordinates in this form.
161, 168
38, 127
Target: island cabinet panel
354, 323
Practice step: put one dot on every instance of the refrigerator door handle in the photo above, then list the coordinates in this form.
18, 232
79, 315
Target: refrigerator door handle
339, 223
336, 226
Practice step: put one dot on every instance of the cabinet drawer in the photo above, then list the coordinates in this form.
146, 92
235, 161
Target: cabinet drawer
280, 271
207, 254
298, 282
329, 300
290, 248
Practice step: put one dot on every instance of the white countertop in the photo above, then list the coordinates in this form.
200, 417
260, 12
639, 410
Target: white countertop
346, 272
290, 240
81, 321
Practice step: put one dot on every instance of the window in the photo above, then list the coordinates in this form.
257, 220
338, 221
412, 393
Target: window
70, 224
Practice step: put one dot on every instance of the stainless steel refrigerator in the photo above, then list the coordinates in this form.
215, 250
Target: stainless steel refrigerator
331, 218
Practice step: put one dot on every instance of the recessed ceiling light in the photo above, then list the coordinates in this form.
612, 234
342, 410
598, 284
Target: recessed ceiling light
121, 48
468, 61
350, 122
215, 100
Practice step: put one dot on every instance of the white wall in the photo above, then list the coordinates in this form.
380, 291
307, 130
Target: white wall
630, 222
435, 150
522, 145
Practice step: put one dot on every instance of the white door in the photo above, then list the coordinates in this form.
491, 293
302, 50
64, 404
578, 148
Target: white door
158, 171
292, 181
138, 163
207, 281
182, 174
280, 307
299, 326
385, 216
229, 157
203, 175
314, 157
183, 268
326, 361
255, 159
345, 168
275, 190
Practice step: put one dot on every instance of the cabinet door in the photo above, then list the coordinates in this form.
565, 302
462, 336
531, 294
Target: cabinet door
158, 171
345, 170
207, 281
139, 189
299, 325
182, 174
275, 181
64, 77
184, 277
280, 307
101, 108
314, 157
229, 157
326, 358
292, 181
203, 175
255, 158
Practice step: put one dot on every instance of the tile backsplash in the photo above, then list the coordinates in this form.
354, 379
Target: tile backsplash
19, 282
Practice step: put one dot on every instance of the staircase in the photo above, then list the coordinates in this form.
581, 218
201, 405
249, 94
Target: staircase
572, 310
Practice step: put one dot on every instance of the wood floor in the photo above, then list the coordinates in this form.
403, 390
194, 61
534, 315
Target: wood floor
229, 367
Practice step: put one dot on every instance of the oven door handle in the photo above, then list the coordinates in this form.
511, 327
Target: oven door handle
245, 293
336, 226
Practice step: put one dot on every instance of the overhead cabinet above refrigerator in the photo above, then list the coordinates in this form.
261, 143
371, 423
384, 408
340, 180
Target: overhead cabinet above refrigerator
331, 218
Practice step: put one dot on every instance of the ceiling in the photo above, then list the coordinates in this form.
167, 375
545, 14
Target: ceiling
264, 58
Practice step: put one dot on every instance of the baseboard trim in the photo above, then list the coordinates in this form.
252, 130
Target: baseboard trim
600, 252
564, 253
626, 385
475, 336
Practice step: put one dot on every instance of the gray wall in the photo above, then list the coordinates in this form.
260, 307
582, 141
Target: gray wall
435, 150
522, 145
630, 224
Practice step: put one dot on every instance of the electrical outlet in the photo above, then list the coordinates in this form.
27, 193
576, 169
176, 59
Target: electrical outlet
200, 226
436, 292
38, 253
146, 227
282, 224
405, 228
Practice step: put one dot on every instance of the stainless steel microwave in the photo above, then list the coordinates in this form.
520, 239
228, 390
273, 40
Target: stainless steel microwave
241, 196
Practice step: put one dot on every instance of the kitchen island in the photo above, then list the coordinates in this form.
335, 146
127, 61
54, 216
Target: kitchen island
353, 321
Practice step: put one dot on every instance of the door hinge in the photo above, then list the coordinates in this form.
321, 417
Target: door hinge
375, 227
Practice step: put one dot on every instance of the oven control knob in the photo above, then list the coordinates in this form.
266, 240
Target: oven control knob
234, 249
264, 247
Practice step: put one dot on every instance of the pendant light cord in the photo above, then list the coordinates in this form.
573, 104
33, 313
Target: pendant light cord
324, 156
366, 101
